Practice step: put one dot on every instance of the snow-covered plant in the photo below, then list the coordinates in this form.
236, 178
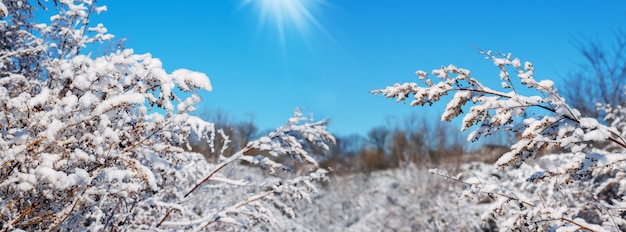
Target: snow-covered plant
616, 115
101, 143
548, 197
406, 199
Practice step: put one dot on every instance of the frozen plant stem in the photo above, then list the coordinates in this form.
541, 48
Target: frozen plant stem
231, 159
446, 176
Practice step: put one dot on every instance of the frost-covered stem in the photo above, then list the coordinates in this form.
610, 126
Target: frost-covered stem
610, 216
509, 97
66, 214
187, 223
508, 78
541, 199
6, 117
496, 193
516, 198
252, 199
21, 52
164, 217
92, 117
23, 214
621, 142
577, 224
602, 208
231, 159
218, 168
240, 204
213, 218
449, 177
33, 143
144, 139
84, 26
108, 220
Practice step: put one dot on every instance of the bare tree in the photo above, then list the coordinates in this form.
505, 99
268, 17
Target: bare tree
600, 79
378, 138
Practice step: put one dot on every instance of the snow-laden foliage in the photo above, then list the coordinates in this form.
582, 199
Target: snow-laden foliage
406, 199
101, 143
616, 114
494, 110
556, 193
583, 189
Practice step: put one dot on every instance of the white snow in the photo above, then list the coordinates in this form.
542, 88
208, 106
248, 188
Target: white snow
116, 175
87, 100
589, 123
40, 99
184, 78
110, 103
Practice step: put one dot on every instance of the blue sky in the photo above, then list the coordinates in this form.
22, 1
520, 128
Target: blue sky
328, 65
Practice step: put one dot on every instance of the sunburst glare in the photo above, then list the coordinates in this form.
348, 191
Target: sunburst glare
288, 14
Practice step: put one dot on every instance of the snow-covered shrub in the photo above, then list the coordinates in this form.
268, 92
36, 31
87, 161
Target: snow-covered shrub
578, 190
101, 143
399, 199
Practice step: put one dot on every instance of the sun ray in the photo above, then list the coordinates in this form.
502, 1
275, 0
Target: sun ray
287, 15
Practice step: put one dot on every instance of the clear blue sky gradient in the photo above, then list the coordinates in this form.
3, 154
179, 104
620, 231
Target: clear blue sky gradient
358, 46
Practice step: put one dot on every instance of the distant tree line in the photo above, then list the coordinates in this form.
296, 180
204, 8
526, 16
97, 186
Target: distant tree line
412, 140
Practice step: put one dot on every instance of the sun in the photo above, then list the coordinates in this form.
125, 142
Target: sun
287, 15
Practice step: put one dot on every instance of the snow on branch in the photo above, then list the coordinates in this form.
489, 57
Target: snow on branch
286, 141
492, 110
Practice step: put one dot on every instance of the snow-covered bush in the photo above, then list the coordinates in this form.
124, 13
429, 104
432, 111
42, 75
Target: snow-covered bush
101, 143
400, 199
583, 189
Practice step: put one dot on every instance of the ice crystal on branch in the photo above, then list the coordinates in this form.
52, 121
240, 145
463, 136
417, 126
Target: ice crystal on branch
492, 110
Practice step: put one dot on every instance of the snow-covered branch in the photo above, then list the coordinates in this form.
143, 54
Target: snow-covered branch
492, 110
572, 191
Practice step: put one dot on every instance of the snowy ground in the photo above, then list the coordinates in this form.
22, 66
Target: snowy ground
407, 199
